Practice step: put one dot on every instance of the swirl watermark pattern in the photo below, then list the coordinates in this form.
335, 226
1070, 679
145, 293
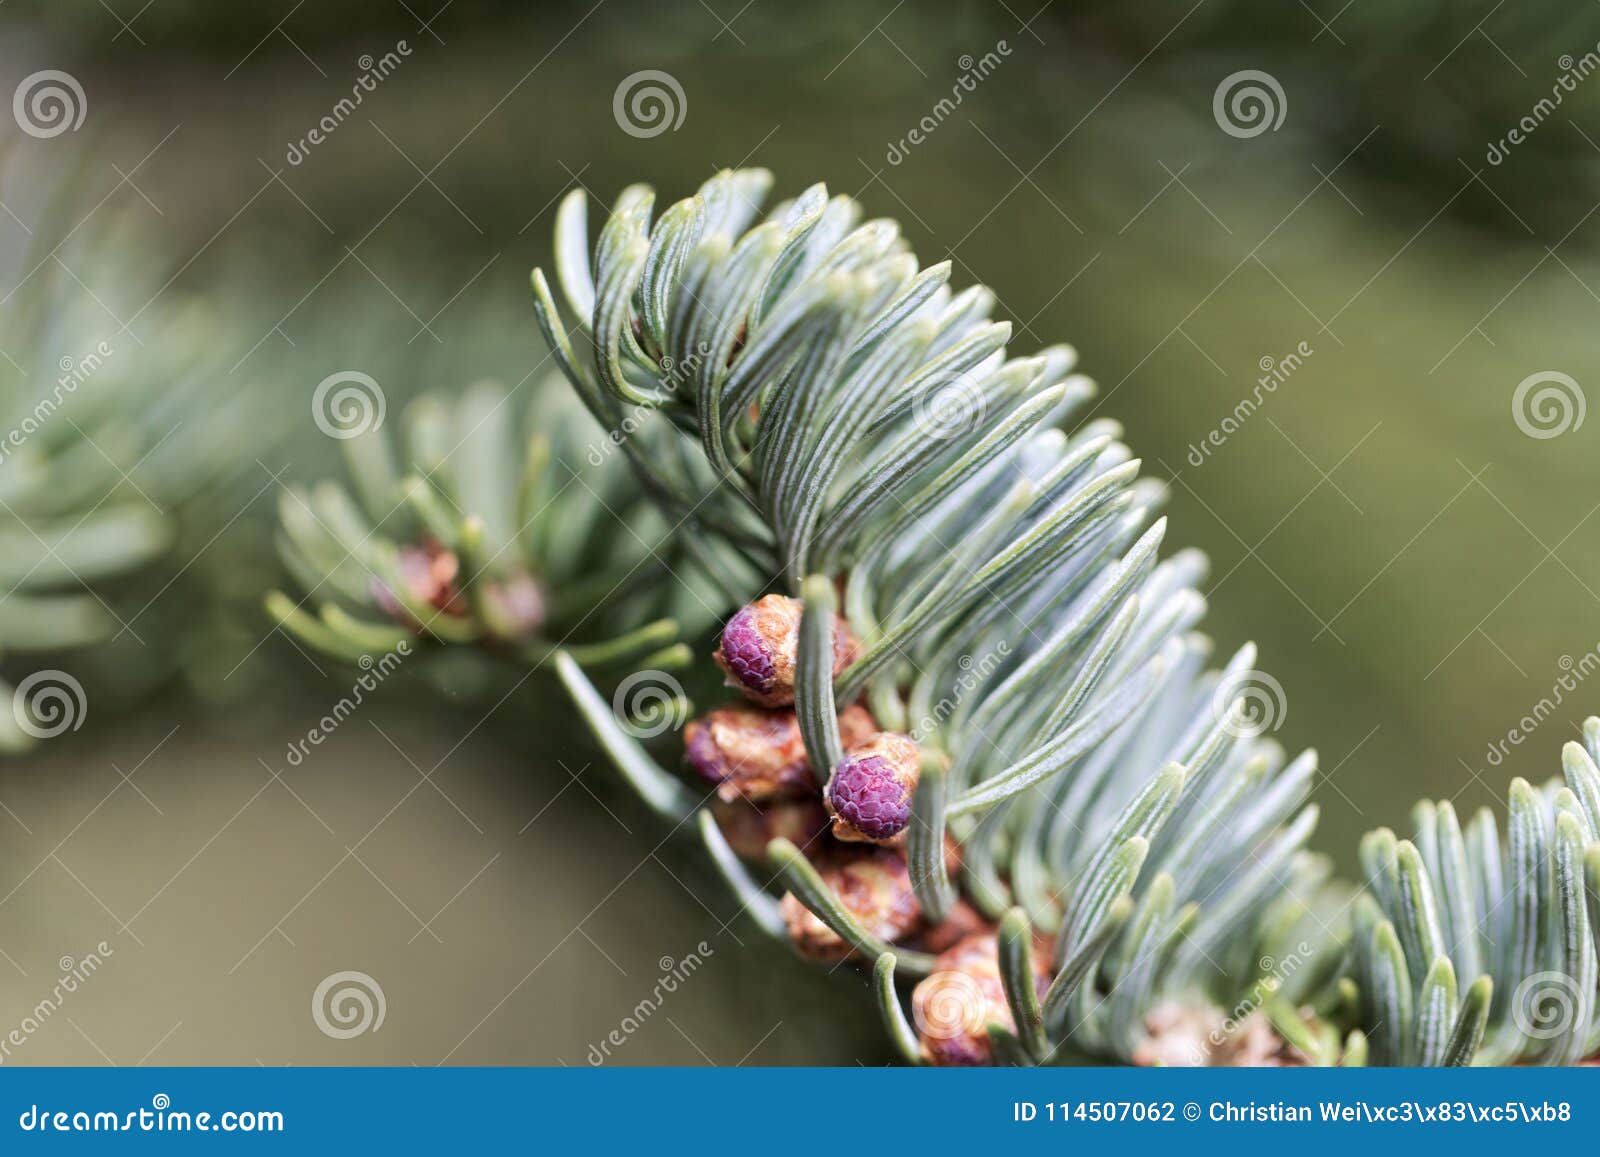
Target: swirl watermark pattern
1548, 404
1545, 1005
649, 103
348, 1004
1250, 704
950, 410
49, 703
48, 103
650, 703
348, 404
1248, 103
953, 1005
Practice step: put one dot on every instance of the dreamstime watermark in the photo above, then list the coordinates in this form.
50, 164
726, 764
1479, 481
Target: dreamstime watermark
373, 73
1274, 372
1249, 103
673, 974
374, 672
1573, 73
348, 404
1548, 404
1275, 971
49, 703
1574, 673
1545, 1005
973, 73
649, 103
974, 673
951, 408
1249, 704
48, 103
74, 372
160, 1117
348, 1004
75, 972
950, 1004
675, 374
649, 703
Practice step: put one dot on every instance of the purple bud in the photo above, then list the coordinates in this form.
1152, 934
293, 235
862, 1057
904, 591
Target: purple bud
865, 794
760, 647
870, 791
747, 655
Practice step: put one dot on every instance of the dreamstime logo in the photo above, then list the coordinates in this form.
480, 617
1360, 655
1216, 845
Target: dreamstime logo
49, 103
1545, 1005
649, 703
674, 375
373, 673
673, 974
1250, 704
74, 373
1548, 404
74, 974
373, 73
1573, 72
973, 73
347, 1004
1573, 674
649, 103
950, 1004
1273, 973
348, 404
974, 673
1249, 103
48, 703
957, 407
1274, 373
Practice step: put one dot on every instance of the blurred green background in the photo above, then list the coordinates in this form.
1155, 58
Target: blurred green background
1418, 570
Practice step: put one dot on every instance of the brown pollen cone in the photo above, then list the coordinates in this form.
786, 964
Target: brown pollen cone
758, 755
955, 1004
1191, 1036
750, 827
874, 885
962, 921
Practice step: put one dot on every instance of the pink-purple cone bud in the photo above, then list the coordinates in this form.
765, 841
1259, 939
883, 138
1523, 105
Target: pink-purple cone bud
517, 605
870, 791
429, 573
760, 645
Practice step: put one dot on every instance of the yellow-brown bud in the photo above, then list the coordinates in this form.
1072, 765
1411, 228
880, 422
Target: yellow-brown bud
874, 885
759, 755
955, 1004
